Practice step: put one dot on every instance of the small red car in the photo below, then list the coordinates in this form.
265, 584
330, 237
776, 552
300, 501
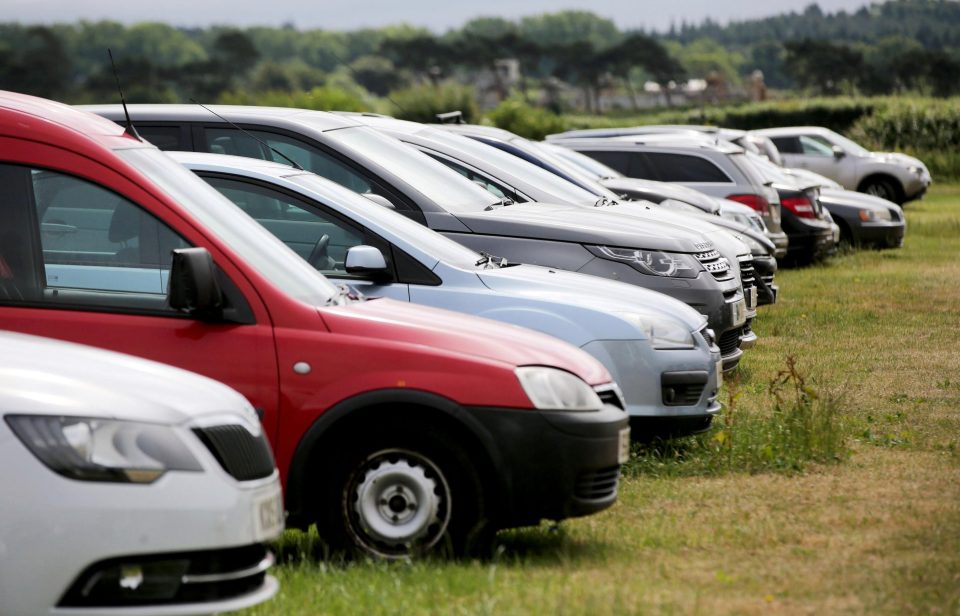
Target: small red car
398, 429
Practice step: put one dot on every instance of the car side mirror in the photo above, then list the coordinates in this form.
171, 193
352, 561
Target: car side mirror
366, 261
838, 152
193, 287
380, 200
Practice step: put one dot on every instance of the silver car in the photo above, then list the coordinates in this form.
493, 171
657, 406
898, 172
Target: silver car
895, 177
657, 348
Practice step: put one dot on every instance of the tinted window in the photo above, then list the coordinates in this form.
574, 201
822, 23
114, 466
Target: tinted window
787, 145
685, 168
620, 161
172, 138
496, 189
815, 145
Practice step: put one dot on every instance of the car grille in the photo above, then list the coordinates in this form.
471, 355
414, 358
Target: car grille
747, 274
715, 264
598, 485
729, 341
170, 579
241, 454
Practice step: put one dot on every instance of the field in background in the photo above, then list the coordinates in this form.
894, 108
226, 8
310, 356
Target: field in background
875, 529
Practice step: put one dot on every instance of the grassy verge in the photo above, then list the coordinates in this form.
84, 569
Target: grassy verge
874, 336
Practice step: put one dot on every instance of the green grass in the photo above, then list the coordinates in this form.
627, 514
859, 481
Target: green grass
854, 508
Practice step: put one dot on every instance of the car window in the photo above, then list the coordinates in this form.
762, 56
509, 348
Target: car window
99, 248
165, 137
619, 161
317, 236
685, 168
498, 190
815, 145
787, 145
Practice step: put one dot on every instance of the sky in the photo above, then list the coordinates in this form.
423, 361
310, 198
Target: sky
438, 15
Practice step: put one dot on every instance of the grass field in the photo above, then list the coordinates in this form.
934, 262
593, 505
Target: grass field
872, 528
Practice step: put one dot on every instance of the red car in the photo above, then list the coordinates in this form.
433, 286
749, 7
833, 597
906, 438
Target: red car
398, 429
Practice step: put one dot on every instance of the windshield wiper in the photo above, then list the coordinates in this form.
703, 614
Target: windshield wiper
488, 260
604, 202
501, 203
346, 294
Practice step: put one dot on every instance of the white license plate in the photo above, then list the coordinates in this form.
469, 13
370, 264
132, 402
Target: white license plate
719, 374
269, 516
624, 454
752, 298
739, 310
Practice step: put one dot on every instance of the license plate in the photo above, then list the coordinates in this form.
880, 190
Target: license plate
752, 298
624, 454
269, 516
739, 310
719, 374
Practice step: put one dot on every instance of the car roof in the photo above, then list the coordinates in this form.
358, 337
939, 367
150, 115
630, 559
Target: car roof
318, 120
672, 140
786, 131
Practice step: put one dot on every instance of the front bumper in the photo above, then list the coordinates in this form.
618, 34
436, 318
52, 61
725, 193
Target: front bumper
55, 528
882, 234
650, 379
554, 464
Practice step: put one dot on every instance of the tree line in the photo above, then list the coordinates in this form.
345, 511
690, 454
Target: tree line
902, 45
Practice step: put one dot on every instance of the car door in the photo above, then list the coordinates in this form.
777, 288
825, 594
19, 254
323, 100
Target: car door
85, 263
816, 154
312, 230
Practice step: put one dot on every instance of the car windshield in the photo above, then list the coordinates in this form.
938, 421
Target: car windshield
391, 223
500, 162
258, 247
444, 187
850, 147
594, 167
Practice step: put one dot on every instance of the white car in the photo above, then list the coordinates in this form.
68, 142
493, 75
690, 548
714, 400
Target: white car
895, 177
129, 487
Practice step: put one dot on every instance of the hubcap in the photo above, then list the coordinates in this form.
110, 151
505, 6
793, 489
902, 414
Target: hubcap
400, 499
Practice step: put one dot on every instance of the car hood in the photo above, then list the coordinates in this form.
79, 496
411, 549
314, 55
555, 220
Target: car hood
723, 240
899, 159
460, 334
52, 377
658, 191
594, 292
596, 226
830, 196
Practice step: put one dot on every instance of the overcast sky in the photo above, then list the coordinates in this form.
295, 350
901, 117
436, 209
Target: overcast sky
438, 15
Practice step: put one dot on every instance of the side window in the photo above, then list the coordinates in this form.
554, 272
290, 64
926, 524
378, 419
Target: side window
814, 145
684, 168
787, 145
171, 138
496, 189
615, 160
98, 248
311, 158
320, 237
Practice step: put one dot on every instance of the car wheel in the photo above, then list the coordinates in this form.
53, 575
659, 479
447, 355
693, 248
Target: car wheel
884, 188
401, 495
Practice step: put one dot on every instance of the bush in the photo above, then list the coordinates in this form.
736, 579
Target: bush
530, 122
423, 103
322, 98
802, 427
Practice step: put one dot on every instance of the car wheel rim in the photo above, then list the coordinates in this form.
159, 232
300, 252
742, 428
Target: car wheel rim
878, 190
399, 502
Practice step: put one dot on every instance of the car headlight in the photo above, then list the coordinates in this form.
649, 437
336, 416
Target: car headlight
915, 170
653, 262
664, 333
872, 215
756, 247
92, 449
551, 389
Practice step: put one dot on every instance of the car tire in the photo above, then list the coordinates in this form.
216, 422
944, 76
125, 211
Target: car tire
402, 493
883, 187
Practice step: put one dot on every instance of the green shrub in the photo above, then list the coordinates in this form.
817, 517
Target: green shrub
423, 103
322, 98
800, 428
531, 122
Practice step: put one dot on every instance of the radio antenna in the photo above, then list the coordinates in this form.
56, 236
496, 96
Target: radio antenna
292, 162
130, 129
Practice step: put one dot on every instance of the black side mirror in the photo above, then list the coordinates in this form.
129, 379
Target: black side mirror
193, 287
838, 152
366, 261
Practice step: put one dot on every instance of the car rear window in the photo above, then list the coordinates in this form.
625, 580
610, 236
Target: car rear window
685, 168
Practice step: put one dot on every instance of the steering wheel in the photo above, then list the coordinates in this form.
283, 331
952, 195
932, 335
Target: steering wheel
318, 256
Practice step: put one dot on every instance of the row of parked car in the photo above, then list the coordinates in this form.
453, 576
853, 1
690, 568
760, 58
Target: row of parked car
438, 331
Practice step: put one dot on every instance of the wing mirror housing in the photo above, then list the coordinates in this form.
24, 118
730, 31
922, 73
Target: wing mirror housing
380, 200
366, 261
838, 152
193, 287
